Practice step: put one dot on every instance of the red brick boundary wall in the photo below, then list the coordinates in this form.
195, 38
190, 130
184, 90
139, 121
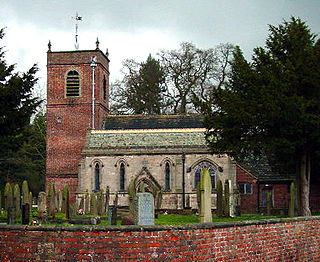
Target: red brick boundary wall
268, 240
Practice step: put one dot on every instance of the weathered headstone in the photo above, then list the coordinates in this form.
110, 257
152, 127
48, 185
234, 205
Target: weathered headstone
8, 196
51, 201
66, 192
237, 201
93, 204
81, 204
42, 207
17, 199
64, 198
59, 201
11, 215
100, 203
219, 198
205, 190
115, 201
107, 198
226, 208
144, 209
131, 196
112, 215
25, 193
25, 213
30, 201
73, 210
86, 202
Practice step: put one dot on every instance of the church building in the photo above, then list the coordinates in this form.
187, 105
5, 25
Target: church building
89, 149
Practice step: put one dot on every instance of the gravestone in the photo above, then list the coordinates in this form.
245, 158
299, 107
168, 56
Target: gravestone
11, 215
205, 197
25, 192
86, 202
106, 207
93, 204
59, 201
17, 199
144, 209
81, 205
42, 207
51, 201
8, 196
112, 215
30, 201
25, 213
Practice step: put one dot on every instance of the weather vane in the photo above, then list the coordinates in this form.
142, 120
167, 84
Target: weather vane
77, 18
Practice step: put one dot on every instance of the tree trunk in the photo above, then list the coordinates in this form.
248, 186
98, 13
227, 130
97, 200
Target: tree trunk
305, 166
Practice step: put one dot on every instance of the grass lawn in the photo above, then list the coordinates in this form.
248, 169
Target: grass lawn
175, 219
169, 219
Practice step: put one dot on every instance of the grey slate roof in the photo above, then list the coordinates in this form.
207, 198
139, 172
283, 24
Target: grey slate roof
260, 167
125, 122
134, 140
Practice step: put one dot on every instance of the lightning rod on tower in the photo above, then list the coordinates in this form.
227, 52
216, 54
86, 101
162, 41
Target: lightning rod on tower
77, 19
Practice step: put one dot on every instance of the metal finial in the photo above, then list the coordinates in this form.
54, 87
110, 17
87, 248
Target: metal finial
97, 44
107, 52
77, 18
49, 46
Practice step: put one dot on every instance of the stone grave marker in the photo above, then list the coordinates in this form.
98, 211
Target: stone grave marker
11, 215
112, 215
25, 213
205, 197
144, 209
42, 207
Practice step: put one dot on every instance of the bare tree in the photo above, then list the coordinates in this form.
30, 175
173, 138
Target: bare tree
192, 71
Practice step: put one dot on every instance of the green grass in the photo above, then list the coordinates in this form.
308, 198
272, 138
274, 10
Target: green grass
175, 219
169, 219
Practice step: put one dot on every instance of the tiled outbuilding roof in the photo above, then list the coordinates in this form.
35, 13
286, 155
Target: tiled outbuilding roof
260, 167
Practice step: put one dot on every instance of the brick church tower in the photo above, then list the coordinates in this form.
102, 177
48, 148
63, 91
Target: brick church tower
71, 77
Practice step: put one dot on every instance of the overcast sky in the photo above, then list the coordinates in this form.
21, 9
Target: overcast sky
135, 28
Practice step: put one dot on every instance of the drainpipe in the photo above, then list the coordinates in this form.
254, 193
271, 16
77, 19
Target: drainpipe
183, 181
93, 65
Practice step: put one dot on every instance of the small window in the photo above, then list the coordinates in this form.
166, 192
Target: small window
167, 177
73, 84
245, 188
104, 87
122, 176
97, 177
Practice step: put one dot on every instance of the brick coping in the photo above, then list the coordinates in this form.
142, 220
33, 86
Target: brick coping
134, 228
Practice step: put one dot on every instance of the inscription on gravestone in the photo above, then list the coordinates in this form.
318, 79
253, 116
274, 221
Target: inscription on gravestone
144, 209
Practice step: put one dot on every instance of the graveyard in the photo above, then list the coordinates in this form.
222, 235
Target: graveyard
96, 229
96, 208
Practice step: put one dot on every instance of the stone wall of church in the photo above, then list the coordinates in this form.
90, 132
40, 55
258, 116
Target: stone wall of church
109, 166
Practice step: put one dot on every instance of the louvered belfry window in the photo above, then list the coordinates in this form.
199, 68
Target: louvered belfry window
73, 84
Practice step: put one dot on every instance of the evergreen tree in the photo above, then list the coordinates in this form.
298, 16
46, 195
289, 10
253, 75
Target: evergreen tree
141, 91
17, 105
272, 105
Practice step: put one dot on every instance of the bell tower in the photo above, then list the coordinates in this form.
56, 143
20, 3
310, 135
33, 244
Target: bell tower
77, 101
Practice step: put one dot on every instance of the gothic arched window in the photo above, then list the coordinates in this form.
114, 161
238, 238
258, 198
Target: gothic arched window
167, 177
96, 177
73, 84
198, 170
122, 176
